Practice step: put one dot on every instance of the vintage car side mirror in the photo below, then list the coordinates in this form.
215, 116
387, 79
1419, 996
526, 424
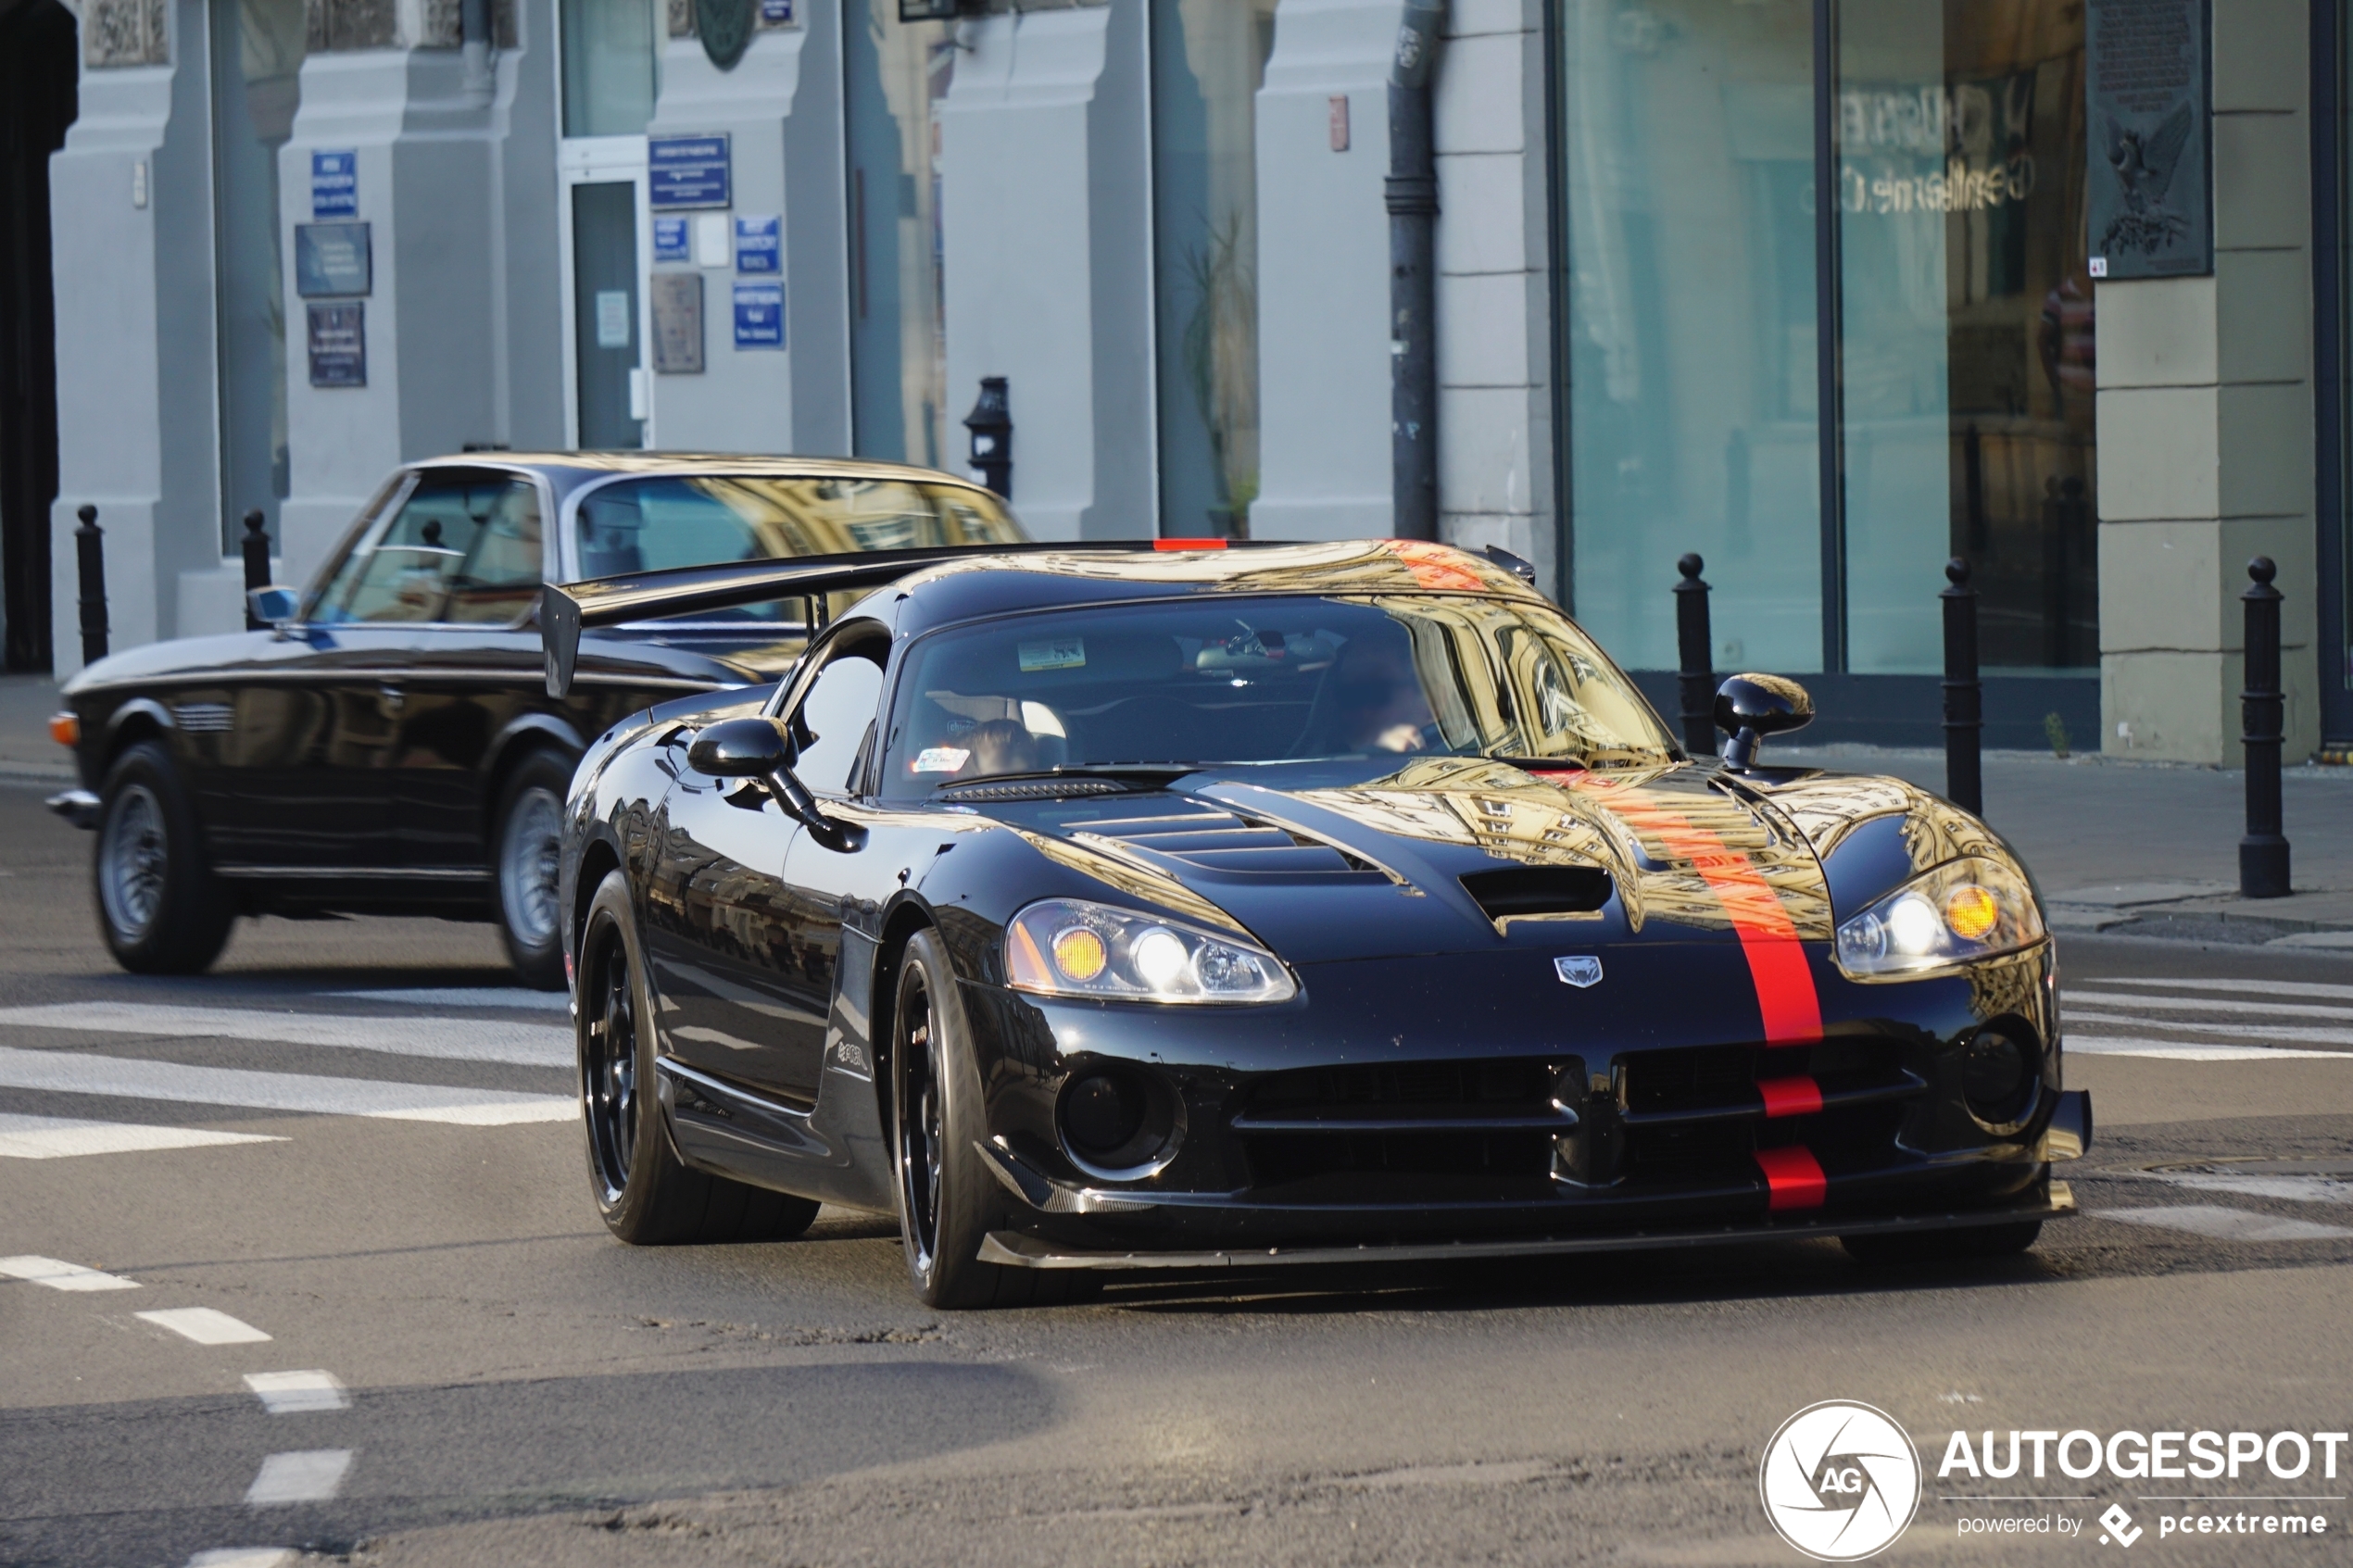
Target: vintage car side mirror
1749, 707
274, 606
765, 749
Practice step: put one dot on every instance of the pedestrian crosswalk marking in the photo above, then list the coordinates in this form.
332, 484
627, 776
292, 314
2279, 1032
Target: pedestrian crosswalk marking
2207, 1004
2234, 1030
312, 1477
2292, 1189
456, 1039
205, 1326
58, 1275
74, 1072
2227, 1224
2183, 1050
2250, 987
464, 996
2115, 1015
292, 1393
56, 1138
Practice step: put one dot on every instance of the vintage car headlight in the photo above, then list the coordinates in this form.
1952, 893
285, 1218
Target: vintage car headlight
1070, 948
1963, 910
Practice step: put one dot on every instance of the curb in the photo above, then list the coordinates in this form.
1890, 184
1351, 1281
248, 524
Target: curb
2204, 925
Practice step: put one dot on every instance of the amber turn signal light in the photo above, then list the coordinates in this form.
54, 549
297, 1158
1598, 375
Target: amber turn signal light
66, 728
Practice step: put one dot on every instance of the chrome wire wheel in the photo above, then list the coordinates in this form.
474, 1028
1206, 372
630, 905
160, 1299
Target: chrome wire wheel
134, 856
922, 1130
530, 857
609, 1063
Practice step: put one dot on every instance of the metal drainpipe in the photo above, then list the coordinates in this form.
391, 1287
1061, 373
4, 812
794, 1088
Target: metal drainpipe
474, 31
1412, 192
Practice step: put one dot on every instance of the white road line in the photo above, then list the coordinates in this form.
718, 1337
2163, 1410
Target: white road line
2294, 1189
2226, 1225
311, 1475
2234, 1030
61, 1275
290, 1393
243, 1557
461, 997
205, 1326
56, 1138
2204, 1004
2252, 988
72, 1073
2177, 1050
452, 1040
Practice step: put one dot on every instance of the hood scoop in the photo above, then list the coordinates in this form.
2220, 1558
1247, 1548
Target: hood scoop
1527, 892
1210, 839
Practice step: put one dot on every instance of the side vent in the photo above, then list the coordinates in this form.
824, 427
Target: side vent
1520, 891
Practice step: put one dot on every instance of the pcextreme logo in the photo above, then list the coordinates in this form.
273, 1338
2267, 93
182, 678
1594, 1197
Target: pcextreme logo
1840, 1481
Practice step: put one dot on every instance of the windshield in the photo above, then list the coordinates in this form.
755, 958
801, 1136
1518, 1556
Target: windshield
647, 525
1262, 680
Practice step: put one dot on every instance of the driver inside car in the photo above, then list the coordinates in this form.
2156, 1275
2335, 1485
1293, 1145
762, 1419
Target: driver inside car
1380, 699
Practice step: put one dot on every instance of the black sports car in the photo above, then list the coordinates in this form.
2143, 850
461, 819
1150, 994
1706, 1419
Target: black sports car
387, 746
1100, 907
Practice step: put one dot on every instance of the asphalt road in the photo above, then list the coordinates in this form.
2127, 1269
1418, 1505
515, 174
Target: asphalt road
348, 1154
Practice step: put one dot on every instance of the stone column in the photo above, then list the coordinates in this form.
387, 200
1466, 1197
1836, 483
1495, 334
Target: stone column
1494, 422
1046, 239
130, 219
1322, 275
2205, 409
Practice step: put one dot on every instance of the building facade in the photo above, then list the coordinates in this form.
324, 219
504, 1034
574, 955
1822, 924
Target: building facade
2074, 314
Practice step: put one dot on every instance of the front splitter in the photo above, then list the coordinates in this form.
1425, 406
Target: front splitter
1027, 1253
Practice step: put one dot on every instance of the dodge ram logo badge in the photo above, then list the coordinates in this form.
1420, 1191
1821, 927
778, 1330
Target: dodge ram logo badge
1580, 971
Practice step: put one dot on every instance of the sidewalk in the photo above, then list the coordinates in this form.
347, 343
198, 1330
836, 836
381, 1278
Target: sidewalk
2148, 848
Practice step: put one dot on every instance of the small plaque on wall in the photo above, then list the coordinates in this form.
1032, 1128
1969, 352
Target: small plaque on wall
677, 301
331, 259
2150, 201
338, 341
760, 315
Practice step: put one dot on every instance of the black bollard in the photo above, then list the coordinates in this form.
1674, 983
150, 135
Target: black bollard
90, 561
991, 423
2263, 852
1696, 645
256, 548
1964, 700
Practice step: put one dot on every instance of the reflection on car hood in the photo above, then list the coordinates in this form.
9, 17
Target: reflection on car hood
1323, 870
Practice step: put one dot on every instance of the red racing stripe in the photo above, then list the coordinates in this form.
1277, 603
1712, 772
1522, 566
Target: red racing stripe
1794, 1178
1785, 996
1790, 1097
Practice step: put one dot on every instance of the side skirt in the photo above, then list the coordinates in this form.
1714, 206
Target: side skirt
732, 1132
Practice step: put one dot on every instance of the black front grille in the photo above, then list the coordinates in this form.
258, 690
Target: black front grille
1418, 1086
1489, 1121
1278, 1159
1694, 1079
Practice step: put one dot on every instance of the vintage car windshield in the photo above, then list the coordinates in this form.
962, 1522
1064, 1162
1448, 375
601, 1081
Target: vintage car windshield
1262, 679
647, 525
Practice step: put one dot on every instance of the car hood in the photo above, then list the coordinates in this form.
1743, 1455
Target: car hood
1448, 855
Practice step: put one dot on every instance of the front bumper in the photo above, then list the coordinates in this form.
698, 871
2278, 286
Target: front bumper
1021, 1251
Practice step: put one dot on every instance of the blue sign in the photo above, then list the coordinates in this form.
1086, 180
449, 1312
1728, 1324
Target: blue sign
775, 13
334, 185
670, 240
331, 258
687, 172
760, 315
759, 244
338, 343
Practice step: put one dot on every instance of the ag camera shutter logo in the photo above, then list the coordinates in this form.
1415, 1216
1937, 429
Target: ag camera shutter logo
1840, 1481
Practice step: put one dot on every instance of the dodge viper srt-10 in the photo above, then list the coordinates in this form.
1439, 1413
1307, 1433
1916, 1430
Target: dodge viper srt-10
1108, 907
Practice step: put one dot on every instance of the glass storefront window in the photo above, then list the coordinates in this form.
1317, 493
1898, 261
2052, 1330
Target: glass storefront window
1966, 337
609, 67
257, 48
897, 74
1687, 175
1209, 60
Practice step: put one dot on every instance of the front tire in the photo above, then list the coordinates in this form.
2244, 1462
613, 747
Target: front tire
646, 1196
948, 1201
160, 909
526, 847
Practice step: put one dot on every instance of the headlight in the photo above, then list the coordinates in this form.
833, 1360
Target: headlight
1069, 948
1961, 910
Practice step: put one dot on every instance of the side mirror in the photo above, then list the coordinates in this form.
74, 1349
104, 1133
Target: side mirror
764, 749
274, 606
1749, 707
741, 748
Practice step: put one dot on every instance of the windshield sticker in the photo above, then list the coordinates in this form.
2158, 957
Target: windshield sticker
1055, 652
941, 760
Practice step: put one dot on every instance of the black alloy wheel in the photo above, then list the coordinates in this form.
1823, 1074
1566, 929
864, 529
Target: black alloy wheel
526, 846
159, 907
948, 1200
648, 1195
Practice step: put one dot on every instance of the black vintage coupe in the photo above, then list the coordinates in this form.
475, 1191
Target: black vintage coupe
388, 746
1099, 908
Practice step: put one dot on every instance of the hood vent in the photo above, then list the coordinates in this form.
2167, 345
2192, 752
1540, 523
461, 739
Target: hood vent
1520, 891
1212, 840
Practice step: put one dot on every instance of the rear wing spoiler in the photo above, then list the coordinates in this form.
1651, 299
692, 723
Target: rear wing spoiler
568, 609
